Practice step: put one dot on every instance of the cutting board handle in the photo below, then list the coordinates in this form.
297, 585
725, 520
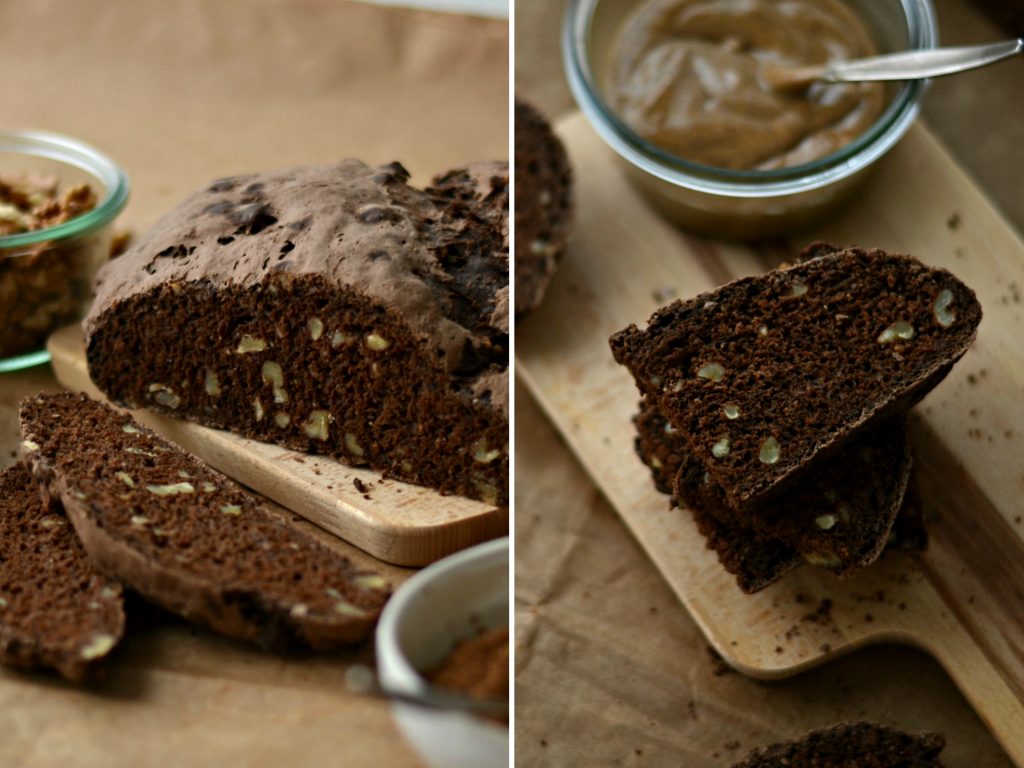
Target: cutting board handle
993, 691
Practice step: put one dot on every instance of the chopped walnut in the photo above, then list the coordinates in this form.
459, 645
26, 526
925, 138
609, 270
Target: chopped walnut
46, 285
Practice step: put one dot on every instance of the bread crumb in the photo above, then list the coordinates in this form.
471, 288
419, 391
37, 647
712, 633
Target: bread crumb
119, 242
718, 665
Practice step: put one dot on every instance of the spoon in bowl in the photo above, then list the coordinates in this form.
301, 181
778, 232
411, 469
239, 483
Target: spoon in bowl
362, 680
907, 65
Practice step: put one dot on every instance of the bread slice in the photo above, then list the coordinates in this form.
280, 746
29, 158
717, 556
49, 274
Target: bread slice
189, 539
768, 376
787, 532
331, 309
852, 745
754, 562
56, 610
544, 206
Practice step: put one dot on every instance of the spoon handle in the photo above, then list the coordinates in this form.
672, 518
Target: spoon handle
362, 680
913, 65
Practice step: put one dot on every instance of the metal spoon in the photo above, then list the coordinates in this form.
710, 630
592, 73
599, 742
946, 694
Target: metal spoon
363, 680
908, 65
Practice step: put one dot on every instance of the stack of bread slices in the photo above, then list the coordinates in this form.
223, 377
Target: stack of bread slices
775, 408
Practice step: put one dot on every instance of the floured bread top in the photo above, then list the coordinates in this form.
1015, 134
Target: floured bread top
443, 272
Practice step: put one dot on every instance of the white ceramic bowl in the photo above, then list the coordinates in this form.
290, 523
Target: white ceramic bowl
448, 602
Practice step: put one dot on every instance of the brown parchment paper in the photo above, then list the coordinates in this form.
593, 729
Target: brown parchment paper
180, 92
611, 670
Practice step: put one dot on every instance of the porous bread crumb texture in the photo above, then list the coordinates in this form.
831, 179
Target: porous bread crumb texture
389, 408
840, 515
754, 562
188, 538
331, 309
544, 206
659, 446
806, 371
56, 610
479, 190
852, 745
758, 555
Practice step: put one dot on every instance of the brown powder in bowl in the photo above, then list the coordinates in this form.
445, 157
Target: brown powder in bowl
477, 667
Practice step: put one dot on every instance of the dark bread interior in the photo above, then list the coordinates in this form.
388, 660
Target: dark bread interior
188, 538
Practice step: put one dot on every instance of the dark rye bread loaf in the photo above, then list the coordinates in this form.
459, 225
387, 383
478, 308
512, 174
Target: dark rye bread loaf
331, 309
851, 745
56, 610
757, 557
189, 539
781, 370
544, 206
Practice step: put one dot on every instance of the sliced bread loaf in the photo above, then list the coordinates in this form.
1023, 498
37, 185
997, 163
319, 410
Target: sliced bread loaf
852, 745
332, 309
188, 538
768, 376
56, 610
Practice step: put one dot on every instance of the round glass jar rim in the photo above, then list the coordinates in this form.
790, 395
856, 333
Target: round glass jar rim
894, 122
76, 153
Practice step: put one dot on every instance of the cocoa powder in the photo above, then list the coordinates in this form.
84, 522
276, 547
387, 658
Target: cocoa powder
477, 667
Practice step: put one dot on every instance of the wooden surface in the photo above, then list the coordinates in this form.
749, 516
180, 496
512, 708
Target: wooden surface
962, 602
181, 92
396, 522
612, 671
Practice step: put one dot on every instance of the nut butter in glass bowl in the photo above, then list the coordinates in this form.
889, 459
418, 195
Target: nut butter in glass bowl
46, 275
741, 203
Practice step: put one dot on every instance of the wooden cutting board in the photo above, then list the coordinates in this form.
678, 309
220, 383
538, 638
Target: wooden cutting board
962, 601
396, 522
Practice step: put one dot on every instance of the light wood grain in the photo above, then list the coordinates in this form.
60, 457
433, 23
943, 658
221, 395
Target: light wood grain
963, 600
396, 522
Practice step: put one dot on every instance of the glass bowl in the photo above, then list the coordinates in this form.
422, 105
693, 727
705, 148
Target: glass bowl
46, 276
743, 205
